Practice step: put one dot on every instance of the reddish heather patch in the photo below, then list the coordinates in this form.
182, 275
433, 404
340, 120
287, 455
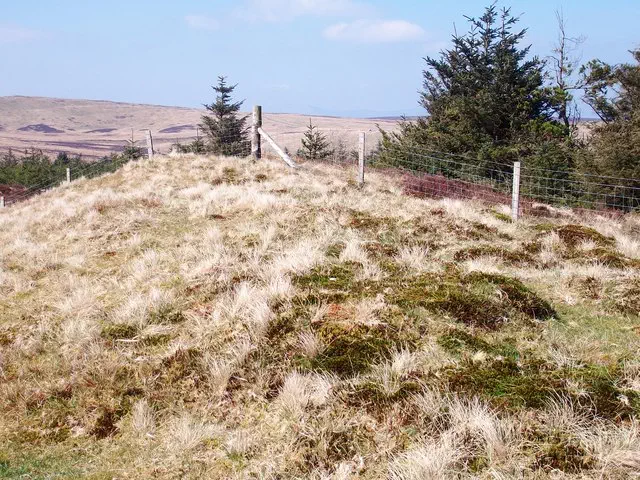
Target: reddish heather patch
424, 185
439, 186
12, 193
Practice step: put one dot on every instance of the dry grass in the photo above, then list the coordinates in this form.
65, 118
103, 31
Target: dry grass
181, 319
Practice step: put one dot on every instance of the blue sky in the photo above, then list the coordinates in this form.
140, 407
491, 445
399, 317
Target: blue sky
334, 57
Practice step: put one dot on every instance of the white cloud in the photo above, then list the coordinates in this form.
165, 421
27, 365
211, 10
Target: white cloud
375, 31
202, 22
286, 10
13, 34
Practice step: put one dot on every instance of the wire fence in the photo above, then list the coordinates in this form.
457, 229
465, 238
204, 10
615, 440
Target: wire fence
428, 173
421, 171
88, 170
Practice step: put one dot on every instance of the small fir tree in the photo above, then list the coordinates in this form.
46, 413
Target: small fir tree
314, 144
225, 130
198, 146
131, 150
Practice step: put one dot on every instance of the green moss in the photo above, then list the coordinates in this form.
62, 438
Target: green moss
7, 335
260, 177
627, 300
455, 341
532, 248
531, 383
483, 231
605, 395
352, 349
181, 377
502, 217
341, 440
591, 287
561, 451
334, 250
251, 240
335, 277
378, 249
374, 398
40, 467
505, 382
573, 235
230, 175
366, 221
156, 340
544, 227
182, 364
518, 296
119, 331
167, 315
335, 283
607, 257
477, 299
521, 258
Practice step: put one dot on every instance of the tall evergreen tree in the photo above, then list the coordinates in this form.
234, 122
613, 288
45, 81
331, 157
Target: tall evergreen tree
314, 144
485, 97
614, 94
226, 131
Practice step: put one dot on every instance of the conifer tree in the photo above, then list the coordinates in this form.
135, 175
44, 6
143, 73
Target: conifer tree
131, 149
314, 144
226, 131
485, 97
613, 92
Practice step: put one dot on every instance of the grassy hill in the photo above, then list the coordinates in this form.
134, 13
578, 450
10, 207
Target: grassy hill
191, 317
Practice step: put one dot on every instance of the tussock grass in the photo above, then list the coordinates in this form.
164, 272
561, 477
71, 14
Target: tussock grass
207, 317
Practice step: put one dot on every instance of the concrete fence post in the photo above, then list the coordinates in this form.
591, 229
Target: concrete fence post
361, 157
1, 202
256, 148
515, 192
149, 144
68, 175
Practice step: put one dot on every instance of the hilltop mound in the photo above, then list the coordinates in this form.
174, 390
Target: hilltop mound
192, 317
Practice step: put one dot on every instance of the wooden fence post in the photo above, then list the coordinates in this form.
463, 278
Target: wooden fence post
149, 144
256, 148
68, 175
361, 157
279, 151
515, 192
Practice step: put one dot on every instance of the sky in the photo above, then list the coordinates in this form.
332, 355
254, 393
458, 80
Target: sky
323, 57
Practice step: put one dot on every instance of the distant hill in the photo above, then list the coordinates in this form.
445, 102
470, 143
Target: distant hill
94, 128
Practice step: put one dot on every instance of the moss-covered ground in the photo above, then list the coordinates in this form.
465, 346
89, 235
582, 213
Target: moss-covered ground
214, 318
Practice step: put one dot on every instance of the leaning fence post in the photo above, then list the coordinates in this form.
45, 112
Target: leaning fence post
1, 202
68, 175
361, 156
256, 149
149, 144
515, 192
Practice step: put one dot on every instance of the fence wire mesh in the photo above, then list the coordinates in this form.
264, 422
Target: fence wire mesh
421, 171
428, 173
